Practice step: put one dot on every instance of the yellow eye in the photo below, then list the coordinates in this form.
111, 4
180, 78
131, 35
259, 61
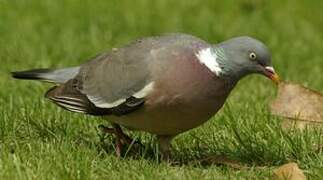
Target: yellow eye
252, 56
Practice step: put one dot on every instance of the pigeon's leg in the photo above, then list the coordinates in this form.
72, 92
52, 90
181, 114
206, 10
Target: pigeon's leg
164, 146
118, 145
121, 137
125, 139
118, 132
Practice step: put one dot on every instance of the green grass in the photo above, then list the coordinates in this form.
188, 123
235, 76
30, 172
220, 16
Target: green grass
40, 141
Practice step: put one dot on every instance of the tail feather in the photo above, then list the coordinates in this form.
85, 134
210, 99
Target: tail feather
35, 74
48, 75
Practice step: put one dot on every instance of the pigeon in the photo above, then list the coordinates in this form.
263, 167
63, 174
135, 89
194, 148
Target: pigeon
164, 85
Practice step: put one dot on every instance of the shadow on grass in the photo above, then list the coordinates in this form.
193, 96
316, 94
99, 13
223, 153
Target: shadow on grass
149, 151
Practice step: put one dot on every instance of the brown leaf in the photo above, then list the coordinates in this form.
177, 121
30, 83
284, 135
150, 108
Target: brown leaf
289, 171
300, 105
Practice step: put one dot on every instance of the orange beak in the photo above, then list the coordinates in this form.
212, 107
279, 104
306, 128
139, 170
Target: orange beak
271, 74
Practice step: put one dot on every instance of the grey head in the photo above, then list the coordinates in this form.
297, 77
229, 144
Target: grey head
240, 56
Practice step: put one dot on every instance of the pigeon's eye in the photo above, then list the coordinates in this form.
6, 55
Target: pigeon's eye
252, 56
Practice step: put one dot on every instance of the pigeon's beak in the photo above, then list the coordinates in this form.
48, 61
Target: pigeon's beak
269, 71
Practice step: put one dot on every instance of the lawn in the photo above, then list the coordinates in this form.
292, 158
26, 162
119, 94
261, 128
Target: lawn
41, 141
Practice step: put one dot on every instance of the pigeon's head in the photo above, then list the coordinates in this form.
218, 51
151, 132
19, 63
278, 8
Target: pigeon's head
241, 56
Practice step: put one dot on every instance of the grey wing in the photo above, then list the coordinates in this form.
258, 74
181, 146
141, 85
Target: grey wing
112, 78
112, 83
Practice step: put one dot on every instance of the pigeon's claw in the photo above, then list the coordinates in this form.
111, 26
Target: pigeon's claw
121, 138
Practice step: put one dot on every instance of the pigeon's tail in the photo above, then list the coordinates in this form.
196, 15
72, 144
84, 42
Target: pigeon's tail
49, 75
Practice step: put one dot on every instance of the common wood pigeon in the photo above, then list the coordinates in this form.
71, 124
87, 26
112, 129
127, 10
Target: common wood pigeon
163, 85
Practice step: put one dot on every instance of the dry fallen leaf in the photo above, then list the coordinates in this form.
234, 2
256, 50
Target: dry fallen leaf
289, 171
299, 105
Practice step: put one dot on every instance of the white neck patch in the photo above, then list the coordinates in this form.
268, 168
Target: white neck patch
209, 59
